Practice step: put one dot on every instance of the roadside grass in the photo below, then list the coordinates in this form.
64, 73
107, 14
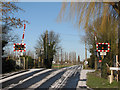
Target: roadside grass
94, 81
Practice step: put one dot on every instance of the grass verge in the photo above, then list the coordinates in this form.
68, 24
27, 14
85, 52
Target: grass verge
94, 81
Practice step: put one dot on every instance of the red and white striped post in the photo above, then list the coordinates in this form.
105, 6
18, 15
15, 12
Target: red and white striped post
22, 43
23, 33
23, 37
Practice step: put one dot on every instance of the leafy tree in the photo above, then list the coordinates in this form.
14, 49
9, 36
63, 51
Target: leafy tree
49, 43
87, 12
107, 35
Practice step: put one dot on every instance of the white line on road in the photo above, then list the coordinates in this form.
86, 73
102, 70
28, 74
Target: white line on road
22, 81
36, 85
61, 82
17, 75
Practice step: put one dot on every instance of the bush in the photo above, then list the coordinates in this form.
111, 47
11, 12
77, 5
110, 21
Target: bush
8, 65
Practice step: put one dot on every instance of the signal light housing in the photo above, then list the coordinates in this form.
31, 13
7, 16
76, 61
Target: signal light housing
102, 47
20, 47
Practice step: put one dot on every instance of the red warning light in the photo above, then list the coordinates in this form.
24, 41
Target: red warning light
100, 61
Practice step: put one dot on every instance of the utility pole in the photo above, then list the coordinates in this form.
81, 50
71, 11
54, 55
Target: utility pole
85, 54
69, 57
75, 58
46, 42
58, 57
97, 52
119, 38
61, 57
72, 57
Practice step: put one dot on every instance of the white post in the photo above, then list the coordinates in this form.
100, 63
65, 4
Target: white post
117, 65
111, 78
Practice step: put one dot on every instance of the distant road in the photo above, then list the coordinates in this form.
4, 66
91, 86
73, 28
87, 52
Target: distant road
44, 78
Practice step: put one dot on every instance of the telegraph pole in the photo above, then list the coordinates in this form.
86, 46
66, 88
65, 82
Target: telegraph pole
85, 54
46, 42
117, 46
69, 57
97, 52
75, 58
61, 57
58, 57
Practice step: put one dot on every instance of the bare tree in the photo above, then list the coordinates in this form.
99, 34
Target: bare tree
8, 9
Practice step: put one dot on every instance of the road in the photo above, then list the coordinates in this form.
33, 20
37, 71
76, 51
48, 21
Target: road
43, 78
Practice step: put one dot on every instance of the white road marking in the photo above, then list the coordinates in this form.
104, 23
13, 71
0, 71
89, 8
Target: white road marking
36, 85
17, 75
22, 81
61, 82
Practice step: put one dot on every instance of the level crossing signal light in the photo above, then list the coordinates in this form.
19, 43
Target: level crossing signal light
103, 47
20, 47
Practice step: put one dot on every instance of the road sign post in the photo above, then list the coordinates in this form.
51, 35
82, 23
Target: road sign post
102, 48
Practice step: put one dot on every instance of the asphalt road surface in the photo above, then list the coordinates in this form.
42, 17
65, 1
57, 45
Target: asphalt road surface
44, 79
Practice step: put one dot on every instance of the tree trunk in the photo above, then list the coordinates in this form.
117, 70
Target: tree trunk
119, 37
